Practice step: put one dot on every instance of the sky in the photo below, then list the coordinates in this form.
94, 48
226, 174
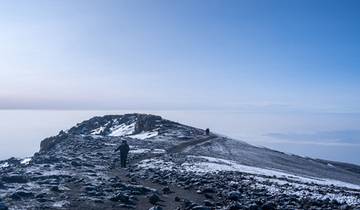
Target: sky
207, 54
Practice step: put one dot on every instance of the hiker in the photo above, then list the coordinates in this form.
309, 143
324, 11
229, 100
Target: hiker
124, 150
207, 131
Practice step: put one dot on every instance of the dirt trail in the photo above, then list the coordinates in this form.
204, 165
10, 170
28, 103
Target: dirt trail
167, 200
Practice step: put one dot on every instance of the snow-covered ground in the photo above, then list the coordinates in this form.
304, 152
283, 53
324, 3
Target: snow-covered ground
98, 130
205, 164
217, 164
140, 151
122, 130
144, 135
4, 165
274, 181
25, 161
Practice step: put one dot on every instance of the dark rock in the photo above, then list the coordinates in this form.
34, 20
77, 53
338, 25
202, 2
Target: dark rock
14, 179
75, 163
207, 196
3, 206
269, 206
48, 143
345, 207
41, 195
133, 180
13, 161
201, 208
98, 201
187, 204
126, 206
234, 195
253, 207
166, 190
154, 199
208, 190
137, 190
146, 122
55, 189
121, 197
46, 160
42, 200
208, 203
177, 199
235, 206
19, 195
89, 188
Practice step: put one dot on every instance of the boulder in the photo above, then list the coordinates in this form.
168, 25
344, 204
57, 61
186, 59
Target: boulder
55, 189
234, 195
154, 199
166, 190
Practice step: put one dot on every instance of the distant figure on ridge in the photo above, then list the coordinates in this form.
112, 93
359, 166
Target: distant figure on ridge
207, 131
124, 150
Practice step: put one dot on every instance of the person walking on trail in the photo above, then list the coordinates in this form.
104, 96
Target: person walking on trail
207, 131
124, 150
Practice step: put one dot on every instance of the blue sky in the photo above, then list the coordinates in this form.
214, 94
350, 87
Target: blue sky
252, 55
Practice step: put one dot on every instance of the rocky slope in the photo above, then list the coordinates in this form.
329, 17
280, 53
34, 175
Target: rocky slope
172, 166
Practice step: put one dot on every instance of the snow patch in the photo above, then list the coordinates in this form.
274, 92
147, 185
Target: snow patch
4, 165
205, 164
97, 131
122, 130
158, 151
25, 161
97, 136
305, 190
157, 164
60, 204
140, 151
218, 164
330, 165
145, 135
55, 173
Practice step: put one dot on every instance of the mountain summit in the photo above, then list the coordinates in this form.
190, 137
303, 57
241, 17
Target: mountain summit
172, 166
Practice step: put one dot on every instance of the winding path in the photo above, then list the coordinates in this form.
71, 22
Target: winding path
167, 200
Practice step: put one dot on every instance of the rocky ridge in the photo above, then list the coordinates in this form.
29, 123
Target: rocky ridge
172, 166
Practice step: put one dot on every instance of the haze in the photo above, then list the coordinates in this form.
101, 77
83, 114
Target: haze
278, 58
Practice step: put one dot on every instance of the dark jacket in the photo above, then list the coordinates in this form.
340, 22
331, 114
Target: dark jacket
124, 149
